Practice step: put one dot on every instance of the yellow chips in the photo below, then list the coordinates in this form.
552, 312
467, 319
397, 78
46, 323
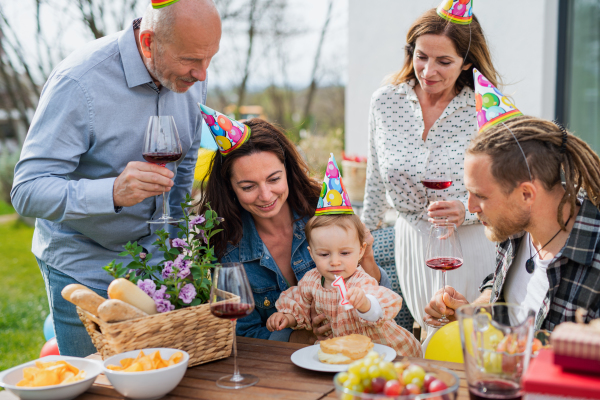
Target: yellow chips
146, 363
50, 373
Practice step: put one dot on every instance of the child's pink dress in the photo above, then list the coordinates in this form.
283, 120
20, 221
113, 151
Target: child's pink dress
298, 299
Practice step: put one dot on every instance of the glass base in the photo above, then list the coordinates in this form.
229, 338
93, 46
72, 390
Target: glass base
163, 220
241, 381
440, 322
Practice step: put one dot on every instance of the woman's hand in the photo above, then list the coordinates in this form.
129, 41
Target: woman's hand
321, 327
447, 211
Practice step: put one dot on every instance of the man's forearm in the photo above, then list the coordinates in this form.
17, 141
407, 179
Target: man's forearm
371, 267
484, 298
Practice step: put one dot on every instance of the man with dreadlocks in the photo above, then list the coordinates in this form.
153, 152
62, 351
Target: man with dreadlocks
536, 189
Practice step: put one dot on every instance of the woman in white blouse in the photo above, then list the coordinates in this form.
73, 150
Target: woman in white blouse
422, 121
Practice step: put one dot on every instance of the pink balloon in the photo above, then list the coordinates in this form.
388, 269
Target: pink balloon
481, 119
346, 200
332, 171
482, 80
50, 348
459, 10
210, 120
235, 134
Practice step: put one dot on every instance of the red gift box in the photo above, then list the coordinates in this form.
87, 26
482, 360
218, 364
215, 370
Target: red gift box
545, 380
577, 347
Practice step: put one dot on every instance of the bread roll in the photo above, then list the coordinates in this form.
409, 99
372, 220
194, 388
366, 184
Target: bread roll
87, 299
116, 310
123, 289
69, 289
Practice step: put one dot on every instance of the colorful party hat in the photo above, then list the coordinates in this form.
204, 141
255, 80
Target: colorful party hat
333, 199
162, 3
229, 133
456, 11
492, 106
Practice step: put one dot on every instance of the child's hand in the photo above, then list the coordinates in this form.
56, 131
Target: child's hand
279, 321
357, 297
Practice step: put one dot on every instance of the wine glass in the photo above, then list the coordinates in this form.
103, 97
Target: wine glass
232, 298
161, 146
443, 254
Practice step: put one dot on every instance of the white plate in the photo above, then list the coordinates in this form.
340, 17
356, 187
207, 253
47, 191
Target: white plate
308, 358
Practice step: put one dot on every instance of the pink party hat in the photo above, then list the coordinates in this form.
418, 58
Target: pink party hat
456, 11
492, 106
334, 199
229, 133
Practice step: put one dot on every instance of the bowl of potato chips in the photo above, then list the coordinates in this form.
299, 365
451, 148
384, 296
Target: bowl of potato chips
146, 374
51, 378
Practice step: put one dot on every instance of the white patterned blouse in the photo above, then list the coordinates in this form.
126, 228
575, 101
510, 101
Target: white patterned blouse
398, 157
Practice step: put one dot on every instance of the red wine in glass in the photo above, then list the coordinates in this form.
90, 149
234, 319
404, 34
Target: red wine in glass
436, 184
161, 158
495, 389
231, 310
444, 263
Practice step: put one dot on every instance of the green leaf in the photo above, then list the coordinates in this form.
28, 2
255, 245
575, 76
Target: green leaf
209, 224
174, 251
134, 265
213, 233
196, 302
123, 253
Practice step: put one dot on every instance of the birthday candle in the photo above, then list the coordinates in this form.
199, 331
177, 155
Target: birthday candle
341, 287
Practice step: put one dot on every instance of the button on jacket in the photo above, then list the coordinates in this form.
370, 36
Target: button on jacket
90, 122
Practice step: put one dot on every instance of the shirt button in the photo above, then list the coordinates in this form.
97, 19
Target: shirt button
267, 303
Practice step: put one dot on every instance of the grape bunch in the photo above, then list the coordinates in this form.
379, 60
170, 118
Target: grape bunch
373, 374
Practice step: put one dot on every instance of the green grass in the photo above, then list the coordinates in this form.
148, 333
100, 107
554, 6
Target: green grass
6, 208
23, 301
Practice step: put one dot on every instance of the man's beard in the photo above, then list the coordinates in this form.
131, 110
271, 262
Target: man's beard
156, 70
504, 228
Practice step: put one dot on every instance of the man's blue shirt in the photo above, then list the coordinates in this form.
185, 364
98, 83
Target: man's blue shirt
90, 122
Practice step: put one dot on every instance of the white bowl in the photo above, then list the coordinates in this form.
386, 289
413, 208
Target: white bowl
10, 378
148, 385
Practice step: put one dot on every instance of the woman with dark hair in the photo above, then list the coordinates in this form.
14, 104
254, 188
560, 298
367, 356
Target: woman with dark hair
421, 123
264, 192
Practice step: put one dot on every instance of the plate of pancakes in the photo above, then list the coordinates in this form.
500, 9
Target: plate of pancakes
334, 355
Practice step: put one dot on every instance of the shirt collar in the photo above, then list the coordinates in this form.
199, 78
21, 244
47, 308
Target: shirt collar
585, 235
136, 73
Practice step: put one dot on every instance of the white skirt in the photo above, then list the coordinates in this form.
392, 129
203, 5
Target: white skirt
419, 283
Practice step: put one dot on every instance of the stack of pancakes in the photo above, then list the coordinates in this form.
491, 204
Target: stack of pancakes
345, 349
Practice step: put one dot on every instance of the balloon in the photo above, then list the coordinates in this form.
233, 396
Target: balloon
49, 328
478, 102
332, 171
448, 5
464, 1
206, 110
493, 112
507, 102
346, 200
489, 100
445, 344
482, 80
323, 190
334, 198
217, 131
223, 143
481, 119
320, 204
210, 120
334, 184
459, 10
235, 134
224, 122
50, 348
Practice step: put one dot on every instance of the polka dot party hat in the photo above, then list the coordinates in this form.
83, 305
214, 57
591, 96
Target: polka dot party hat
162, 3
492, 106
334, 199
229, 133
456, 11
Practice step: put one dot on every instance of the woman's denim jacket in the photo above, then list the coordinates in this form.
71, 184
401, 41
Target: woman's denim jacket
266, 279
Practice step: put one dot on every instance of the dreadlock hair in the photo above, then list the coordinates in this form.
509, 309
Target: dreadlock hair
541, 141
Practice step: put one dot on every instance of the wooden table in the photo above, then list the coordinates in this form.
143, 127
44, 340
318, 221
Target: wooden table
270, 361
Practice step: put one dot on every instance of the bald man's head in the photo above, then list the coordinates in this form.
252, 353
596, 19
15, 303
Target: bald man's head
178, 42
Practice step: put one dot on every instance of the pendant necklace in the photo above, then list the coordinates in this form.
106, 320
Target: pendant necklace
530, 265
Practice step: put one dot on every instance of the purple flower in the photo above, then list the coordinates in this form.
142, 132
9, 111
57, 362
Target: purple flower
203, 236
160, 294
198, 219
143, 256
163, 305
185, 269
167, 269
178, 243
178, 263
187, 293
147, 286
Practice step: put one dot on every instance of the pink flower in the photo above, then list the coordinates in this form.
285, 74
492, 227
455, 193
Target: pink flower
178, 243
185, 269
163, 306
167, 269
147, 286
187, 293
198, 219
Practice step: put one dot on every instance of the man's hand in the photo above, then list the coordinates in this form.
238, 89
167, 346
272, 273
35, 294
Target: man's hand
278, 321
447, 211
357, 297
139, 181
446, 306
320, 330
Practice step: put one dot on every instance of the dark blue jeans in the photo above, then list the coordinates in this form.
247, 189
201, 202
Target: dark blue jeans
72, 338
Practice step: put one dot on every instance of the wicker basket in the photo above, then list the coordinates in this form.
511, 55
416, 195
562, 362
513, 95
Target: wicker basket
192, 329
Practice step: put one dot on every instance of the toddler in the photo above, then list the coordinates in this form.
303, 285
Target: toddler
336, 244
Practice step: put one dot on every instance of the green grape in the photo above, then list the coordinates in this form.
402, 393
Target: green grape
347, 396
389, 374
343, 377
353, 379
366, 383
364, 373
358, 388
412, 372
374, 371
418, 382
354, 369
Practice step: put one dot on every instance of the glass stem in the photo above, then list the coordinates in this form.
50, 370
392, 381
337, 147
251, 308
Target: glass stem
165, 208
236, 377
443, 289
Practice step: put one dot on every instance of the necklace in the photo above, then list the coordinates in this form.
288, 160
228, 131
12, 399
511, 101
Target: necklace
529, 265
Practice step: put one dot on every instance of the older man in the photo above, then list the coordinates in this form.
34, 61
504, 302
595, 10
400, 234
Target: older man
81, 172
548, 256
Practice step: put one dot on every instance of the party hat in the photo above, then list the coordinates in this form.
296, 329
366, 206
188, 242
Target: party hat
162, 3
456, 11
333, 198
229, 133
492, 106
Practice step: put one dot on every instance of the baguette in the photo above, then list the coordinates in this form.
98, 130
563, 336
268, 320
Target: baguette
87, 299
116, 311
123, 289
69, 289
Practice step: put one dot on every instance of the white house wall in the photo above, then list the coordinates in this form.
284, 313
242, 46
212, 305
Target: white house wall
522, 35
